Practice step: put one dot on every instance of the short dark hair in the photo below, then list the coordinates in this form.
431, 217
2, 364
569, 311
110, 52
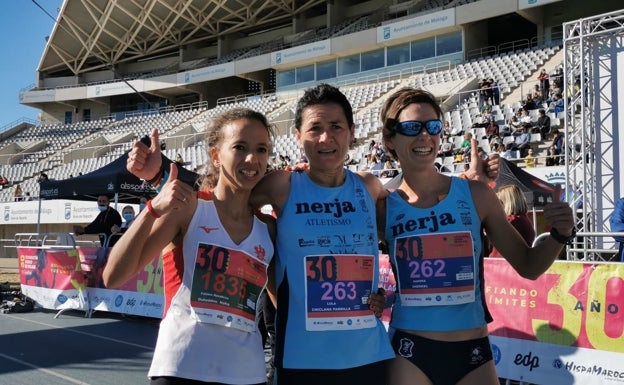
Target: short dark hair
323, 94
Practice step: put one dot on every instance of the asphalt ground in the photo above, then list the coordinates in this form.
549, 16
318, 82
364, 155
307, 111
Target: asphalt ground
108, 348
38, 349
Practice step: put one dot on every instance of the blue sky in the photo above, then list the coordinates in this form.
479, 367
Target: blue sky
24, 27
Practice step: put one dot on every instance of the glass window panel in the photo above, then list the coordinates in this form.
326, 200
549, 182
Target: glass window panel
286, 78
398, 54
449, 43
305, 74
373, 59
349, 65
423, 49
326, 70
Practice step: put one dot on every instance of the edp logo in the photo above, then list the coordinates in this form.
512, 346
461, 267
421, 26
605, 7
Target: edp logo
527, 360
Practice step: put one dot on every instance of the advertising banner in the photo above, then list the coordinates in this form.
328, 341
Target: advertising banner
67, 278
415, 26
566, 327
301, 53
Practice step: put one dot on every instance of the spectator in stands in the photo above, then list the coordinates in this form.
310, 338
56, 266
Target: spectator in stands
517, 209
281, 163
529, 103
446, 148
375, 165
504, 130
486, 107
617, 226
499, 149
509, 151
538, 97
514, 124
163, 145
542, 126
103, 223
446, 130
544, 83
179, 160
18, 194
349, 161
530, 161
466, 143
525, 120
481, 119
557, 104
3, 181
555, 149
483, 91
523, 142
389, 170
495, 140
42, 177
495, 92
492, 129
557, 78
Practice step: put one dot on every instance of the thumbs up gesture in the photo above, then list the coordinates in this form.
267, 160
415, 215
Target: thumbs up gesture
175, 194
559, 214
143, 161
484, 170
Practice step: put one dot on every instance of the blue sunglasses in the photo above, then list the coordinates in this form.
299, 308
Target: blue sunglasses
414, 127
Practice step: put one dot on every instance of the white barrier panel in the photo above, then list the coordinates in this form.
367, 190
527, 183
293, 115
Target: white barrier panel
67, 278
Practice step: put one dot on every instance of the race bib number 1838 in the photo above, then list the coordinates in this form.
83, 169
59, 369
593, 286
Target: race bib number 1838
226, 286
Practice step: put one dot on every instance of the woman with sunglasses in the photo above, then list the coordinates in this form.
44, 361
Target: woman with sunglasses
433, 230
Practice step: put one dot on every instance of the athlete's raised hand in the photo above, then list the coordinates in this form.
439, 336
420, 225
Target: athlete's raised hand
559, 214
143, 161
175, 194
484, 170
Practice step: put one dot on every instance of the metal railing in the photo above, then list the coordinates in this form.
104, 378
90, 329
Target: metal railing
585, 246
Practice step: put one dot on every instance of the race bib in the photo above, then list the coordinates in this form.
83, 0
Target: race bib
337, 289
435, 269
226, 286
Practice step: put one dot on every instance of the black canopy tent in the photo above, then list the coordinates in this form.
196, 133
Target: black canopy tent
112, 180
537, 191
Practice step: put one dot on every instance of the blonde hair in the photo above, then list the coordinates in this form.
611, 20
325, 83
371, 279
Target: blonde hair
513, 200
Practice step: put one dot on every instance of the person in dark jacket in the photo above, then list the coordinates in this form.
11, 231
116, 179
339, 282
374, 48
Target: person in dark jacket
103, 223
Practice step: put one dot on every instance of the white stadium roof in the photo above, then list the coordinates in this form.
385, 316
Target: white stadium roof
95, 34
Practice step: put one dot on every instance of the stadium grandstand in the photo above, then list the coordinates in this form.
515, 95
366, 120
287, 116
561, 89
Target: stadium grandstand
112, 70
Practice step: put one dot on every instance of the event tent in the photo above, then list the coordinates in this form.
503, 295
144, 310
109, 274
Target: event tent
113, 180
537, 191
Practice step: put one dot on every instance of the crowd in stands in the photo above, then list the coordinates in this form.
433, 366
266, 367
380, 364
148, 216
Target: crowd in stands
524, 136
515, 130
